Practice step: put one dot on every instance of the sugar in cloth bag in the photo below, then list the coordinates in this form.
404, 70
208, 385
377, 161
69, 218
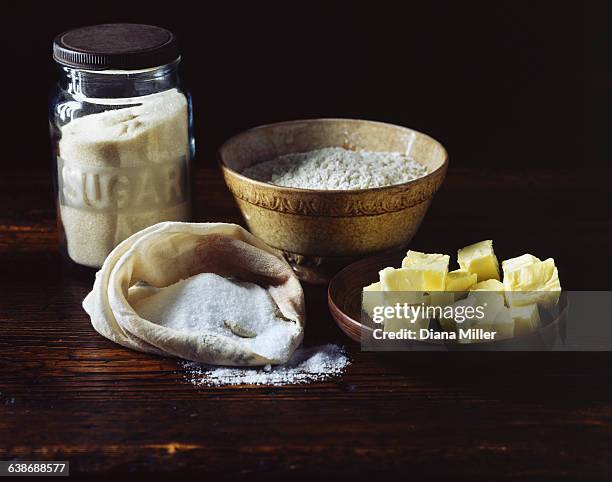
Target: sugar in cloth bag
207, 292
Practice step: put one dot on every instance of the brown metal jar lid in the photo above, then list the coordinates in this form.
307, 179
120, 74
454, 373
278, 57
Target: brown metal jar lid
115, 46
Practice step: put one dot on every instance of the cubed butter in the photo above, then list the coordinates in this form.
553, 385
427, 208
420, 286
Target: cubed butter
479, 259
465, 315
416, 257
490, 296
514, 264
448, 321
401, 279
460, 280
372, 296
528, 280
433, 269
392, 298
526, 318
402, 286
468, 320
503, 324
489, 285
498, 327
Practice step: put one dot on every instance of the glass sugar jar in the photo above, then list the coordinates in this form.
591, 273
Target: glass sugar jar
122, 139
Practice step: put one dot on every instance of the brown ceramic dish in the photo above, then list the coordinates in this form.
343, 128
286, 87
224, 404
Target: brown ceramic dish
322, 230
344, 299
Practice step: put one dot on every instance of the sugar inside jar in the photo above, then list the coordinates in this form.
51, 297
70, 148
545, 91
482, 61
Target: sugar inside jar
122, 138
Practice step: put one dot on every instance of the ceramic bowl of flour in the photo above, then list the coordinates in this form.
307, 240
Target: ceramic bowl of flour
321, 230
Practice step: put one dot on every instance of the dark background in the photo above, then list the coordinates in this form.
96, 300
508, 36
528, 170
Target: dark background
510, 84
498, 83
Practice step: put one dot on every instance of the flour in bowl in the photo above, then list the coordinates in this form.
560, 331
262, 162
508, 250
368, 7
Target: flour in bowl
337, 168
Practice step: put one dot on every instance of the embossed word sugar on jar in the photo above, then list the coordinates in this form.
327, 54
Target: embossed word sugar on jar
121, 132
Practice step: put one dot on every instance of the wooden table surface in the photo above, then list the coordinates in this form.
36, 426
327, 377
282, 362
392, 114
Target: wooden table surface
68, 394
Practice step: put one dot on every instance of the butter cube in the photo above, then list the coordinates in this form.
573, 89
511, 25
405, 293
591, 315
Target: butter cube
372, 296
392, 298
472, 320
503, 324
416, 257
514, 264
496, 318
448, 321
433, 269
490, 296
528, 280
460, 280
441, 299
401, 279
492, 285
463, 315
526, 318
401, 286
479, 259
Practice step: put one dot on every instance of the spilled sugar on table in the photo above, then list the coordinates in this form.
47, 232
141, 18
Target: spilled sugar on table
68, 394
